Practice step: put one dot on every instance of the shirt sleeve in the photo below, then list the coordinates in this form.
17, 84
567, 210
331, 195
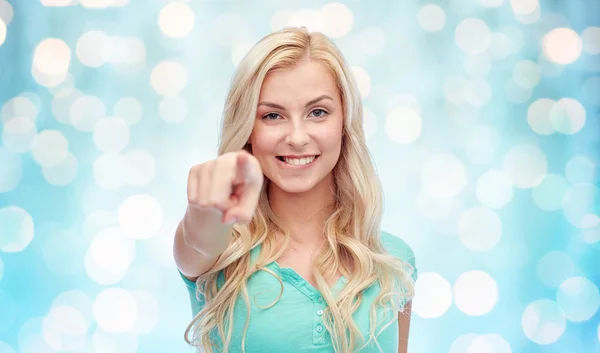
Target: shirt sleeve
196, 300
400, 249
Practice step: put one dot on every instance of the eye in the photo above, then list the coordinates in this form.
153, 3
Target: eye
271, 116
318, 113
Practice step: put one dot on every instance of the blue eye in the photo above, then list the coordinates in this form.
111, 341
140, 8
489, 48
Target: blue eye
320, 113
271, 116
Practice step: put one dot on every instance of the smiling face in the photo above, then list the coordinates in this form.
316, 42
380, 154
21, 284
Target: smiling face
297, 134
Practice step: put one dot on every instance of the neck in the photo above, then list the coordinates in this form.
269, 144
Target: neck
304, 214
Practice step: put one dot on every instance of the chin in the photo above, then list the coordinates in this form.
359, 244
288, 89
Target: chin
294, 187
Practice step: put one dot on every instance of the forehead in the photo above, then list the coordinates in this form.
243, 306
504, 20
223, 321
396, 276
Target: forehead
306, 79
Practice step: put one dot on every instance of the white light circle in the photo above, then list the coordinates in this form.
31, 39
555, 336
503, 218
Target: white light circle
52, 57
435, 295
168, 78
62, 174
567, 116
473, 36
109, 257
176, 20
538, 116
431, 18
17, 228
65, 328
526, 165
129, 109
110, 171
494, 189
549, 194
403, 125
554, 268
94, 48
111, 134
579, 205
479, 229
580, 169
116, 310
50, 148
543, 321
173, 109
443, 176
141, 167
140, 216
335, 20
475, 293
579, 299
85, 112
562, 45
18, 134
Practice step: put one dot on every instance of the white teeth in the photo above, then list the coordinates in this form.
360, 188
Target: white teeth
299, 161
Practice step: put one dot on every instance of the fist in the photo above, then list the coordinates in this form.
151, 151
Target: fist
230, 184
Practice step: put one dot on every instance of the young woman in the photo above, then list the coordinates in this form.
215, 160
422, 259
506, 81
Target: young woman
280, 246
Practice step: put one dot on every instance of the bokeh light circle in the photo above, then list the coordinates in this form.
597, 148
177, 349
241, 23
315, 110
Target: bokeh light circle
111, 134
18, 134
538, 116
109, 256
479, 229
567, 116
403, 125
554, 268
62, 174
431, 18
473, 36
543, 321
335, 20
52, 57
579, 205
475, 293
86, 111
65, 328
168, 78
140, 216
173, 109
579, 299
580, 169
116, 310
50, 148
562, 45
526, 164
129, 109
17, 228
435, 295
494, 189
549, 194
176, 19
443, 176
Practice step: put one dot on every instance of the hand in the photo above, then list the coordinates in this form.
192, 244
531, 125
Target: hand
230, 184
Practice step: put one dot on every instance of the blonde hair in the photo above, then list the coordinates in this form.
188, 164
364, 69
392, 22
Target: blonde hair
352, 231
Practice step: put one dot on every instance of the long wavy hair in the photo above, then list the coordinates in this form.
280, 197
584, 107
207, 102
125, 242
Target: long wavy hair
353, 243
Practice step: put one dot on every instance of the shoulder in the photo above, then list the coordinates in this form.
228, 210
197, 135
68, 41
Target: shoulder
397, 247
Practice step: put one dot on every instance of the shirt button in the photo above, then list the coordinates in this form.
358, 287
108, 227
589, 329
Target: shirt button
320, 312
320, 300
319, 328
344, 280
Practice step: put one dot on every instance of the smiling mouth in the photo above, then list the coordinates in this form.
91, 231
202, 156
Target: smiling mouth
298, 161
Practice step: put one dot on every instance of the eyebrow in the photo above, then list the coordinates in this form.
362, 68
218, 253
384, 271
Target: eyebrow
311, 102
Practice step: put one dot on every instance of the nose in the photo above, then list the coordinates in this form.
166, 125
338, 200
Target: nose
298, 136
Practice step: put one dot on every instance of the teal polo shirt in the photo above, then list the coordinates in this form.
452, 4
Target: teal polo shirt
294, 323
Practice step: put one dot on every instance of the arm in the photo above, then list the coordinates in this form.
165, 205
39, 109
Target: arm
404, 327
197, 256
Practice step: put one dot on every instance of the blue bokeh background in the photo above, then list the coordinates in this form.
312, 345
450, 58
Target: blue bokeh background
483, 117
